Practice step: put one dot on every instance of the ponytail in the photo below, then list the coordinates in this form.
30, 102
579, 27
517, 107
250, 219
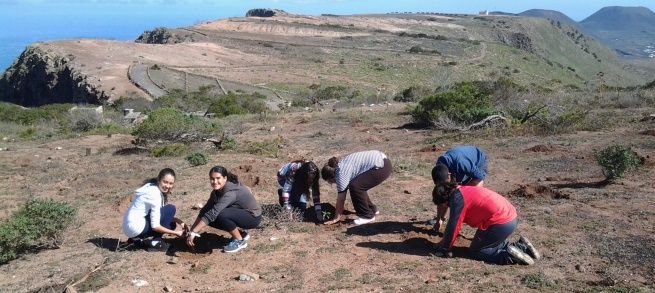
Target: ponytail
329, 169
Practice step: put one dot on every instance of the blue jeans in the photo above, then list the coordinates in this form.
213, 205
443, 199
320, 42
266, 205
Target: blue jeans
491, 245
166, 219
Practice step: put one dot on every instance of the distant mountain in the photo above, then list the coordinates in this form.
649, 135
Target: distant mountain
501, 13
549, 14
629, 30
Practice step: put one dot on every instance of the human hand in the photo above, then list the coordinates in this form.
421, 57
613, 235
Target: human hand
190, 237
336, 219
437, 225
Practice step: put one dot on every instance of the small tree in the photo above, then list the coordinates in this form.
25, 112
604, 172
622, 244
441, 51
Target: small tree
616, 160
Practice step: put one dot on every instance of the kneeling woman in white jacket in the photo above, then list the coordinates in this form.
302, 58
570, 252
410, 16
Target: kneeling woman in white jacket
150, 216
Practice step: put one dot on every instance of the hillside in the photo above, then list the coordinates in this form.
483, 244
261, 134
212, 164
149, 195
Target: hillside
549, 14
630, 30
281, 56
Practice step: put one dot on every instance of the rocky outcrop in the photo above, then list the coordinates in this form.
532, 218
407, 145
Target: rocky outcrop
264, 12
163, 35
38, 78
520, 41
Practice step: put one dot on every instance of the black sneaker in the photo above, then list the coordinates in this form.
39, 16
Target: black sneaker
244, 235
529, 248
519, 256
161, 246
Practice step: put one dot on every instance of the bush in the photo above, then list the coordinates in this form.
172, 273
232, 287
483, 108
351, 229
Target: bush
39, 224
29, 116
566, 121
236, 104
465, 103
197, 159
270, 148
169, 150
187, 102
171, 124
229, 143
412, 94
84, 120
616, 160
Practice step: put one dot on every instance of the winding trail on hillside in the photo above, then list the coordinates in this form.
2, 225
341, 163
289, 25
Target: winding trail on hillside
138, 74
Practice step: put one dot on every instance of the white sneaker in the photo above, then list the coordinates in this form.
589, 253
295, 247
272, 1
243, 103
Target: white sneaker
377, 212
361, 221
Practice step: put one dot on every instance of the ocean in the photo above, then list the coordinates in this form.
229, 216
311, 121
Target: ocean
24, 24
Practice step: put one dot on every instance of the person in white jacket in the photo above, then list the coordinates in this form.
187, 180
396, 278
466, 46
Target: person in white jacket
150, 216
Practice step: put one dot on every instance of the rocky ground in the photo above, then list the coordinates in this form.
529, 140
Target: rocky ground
594, 237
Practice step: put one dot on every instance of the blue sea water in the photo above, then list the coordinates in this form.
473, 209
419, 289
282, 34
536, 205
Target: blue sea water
22, 24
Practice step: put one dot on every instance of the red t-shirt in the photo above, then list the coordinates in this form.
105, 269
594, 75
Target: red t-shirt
482, 208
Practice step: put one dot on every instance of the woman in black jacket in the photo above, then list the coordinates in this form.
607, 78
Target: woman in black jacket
231, 207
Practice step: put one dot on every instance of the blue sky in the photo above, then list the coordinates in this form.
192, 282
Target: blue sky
206, 9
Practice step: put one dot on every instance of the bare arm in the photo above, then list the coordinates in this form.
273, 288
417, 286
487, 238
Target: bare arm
198, 225
441, 215
341, 200
162, 229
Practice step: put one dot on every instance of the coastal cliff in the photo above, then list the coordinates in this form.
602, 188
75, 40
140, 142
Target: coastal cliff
39, 77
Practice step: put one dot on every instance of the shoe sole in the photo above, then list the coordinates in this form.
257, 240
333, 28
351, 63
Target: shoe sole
534, 253
520, 256
238, 248
371, 220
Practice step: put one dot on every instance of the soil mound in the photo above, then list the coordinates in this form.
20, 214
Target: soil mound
534, 190
540, 148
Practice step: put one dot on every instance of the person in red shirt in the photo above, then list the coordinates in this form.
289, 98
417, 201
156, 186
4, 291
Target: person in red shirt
494, 217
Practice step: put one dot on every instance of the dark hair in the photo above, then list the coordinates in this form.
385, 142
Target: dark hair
221, 170
308, 175
160, 176
441, 192
329, 169
440, 174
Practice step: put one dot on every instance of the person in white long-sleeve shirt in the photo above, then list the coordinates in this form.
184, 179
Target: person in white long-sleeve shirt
149, 215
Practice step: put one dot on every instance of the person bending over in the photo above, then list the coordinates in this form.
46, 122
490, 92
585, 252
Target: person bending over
357, 172
299, 179
494, 217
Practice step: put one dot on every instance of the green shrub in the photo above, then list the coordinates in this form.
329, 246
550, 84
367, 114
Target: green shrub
229, 143
39, 224
236, 104
566, 121
616, 160
170, 150
412, 94
29, 116
83, 121
165, 123
269, 147
197, 159
467, 102
187, 102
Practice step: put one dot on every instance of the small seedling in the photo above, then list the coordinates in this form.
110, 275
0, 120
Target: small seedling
327, 215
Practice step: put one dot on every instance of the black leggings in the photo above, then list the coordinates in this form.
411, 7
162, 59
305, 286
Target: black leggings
231, 218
